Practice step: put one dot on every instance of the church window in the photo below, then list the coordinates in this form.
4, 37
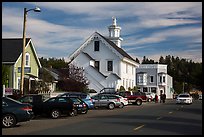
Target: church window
96, 45
110, 65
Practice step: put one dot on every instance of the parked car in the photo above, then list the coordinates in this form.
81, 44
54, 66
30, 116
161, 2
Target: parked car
123, 100
14, 112
85, 97
81, 106
35, 100
109, 101
150, 96
57, 106
184, 98
134, 97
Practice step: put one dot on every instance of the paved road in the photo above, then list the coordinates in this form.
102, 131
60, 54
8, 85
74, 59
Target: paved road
148, 119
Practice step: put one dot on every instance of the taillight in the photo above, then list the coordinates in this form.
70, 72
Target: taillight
27, 108
84, 105
118, 99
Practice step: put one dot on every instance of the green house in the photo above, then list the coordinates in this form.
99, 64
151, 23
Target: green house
12, 56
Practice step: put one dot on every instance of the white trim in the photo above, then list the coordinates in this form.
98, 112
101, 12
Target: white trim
35, 53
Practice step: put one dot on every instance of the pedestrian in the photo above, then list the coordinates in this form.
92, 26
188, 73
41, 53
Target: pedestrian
156, 98
161, 98
164, 97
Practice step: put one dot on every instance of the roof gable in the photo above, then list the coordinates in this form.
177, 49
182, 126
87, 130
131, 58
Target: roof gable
12, 49
118, 51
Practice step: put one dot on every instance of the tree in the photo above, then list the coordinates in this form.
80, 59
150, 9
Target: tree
122, 88
73, 79
161, 60
5, 75
43, 85
135, 89
53, 62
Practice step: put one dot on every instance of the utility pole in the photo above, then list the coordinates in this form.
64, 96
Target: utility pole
24, 44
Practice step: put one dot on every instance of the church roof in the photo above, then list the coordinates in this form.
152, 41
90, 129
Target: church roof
120, 50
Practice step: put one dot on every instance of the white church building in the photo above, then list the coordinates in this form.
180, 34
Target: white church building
105, 63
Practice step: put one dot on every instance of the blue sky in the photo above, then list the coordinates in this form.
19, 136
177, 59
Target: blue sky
150, 29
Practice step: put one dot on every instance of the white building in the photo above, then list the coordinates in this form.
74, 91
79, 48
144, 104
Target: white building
154, 78
105, 63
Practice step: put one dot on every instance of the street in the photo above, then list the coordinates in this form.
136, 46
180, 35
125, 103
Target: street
148, 119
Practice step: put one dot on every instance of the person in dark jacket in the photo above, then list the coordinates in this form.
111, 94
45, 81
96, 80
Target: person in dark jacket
163, 97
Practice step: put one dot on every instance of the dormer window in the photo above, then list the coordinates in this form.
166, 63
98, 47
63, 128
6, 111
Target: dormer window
96, 45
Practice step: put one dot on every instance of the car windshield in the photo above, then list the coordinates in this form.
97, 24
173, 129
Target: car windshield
184, 96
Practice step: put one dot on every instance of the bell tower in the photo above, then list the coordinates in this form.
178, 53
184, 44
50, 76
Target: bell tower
114, 33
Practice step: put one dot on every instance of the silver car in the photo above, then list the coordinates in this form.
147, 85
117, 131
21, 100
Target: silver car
109, 101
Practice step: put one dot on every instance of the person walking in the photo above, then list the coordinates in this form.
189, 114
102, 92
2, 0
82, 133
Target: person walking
156, 98
161, 98
164, 97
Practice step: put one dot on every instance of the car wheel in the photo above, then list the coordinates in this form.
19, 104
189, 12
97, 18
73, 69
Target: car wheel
121, 105
148, 100
84, 111
9, 120
55, 114
111, 106
138, 102
73, 113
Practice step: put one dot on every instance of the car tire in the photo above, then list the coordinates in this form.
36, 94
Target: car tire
111, 106
84, 112
9, 120
55, 114
138, 102
73, 113
149, 100
121, 105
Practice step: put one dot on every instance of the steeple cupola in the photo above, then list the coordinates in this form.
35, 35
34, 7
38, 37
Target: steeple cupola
114, 33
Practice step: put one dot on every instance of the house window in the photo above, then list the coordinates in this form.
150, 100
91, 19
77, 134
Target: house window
110, 65
97, 65
160, 79
140, 79
96, 45
27, 59
18, 82
151, 79
164, 79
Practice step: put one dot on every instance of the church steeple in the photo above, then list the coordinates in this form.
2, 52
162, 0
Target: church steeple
114, 33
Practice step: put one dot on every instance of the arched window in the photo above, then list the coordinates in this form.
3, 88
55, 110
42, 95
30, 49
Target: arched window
27, 59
